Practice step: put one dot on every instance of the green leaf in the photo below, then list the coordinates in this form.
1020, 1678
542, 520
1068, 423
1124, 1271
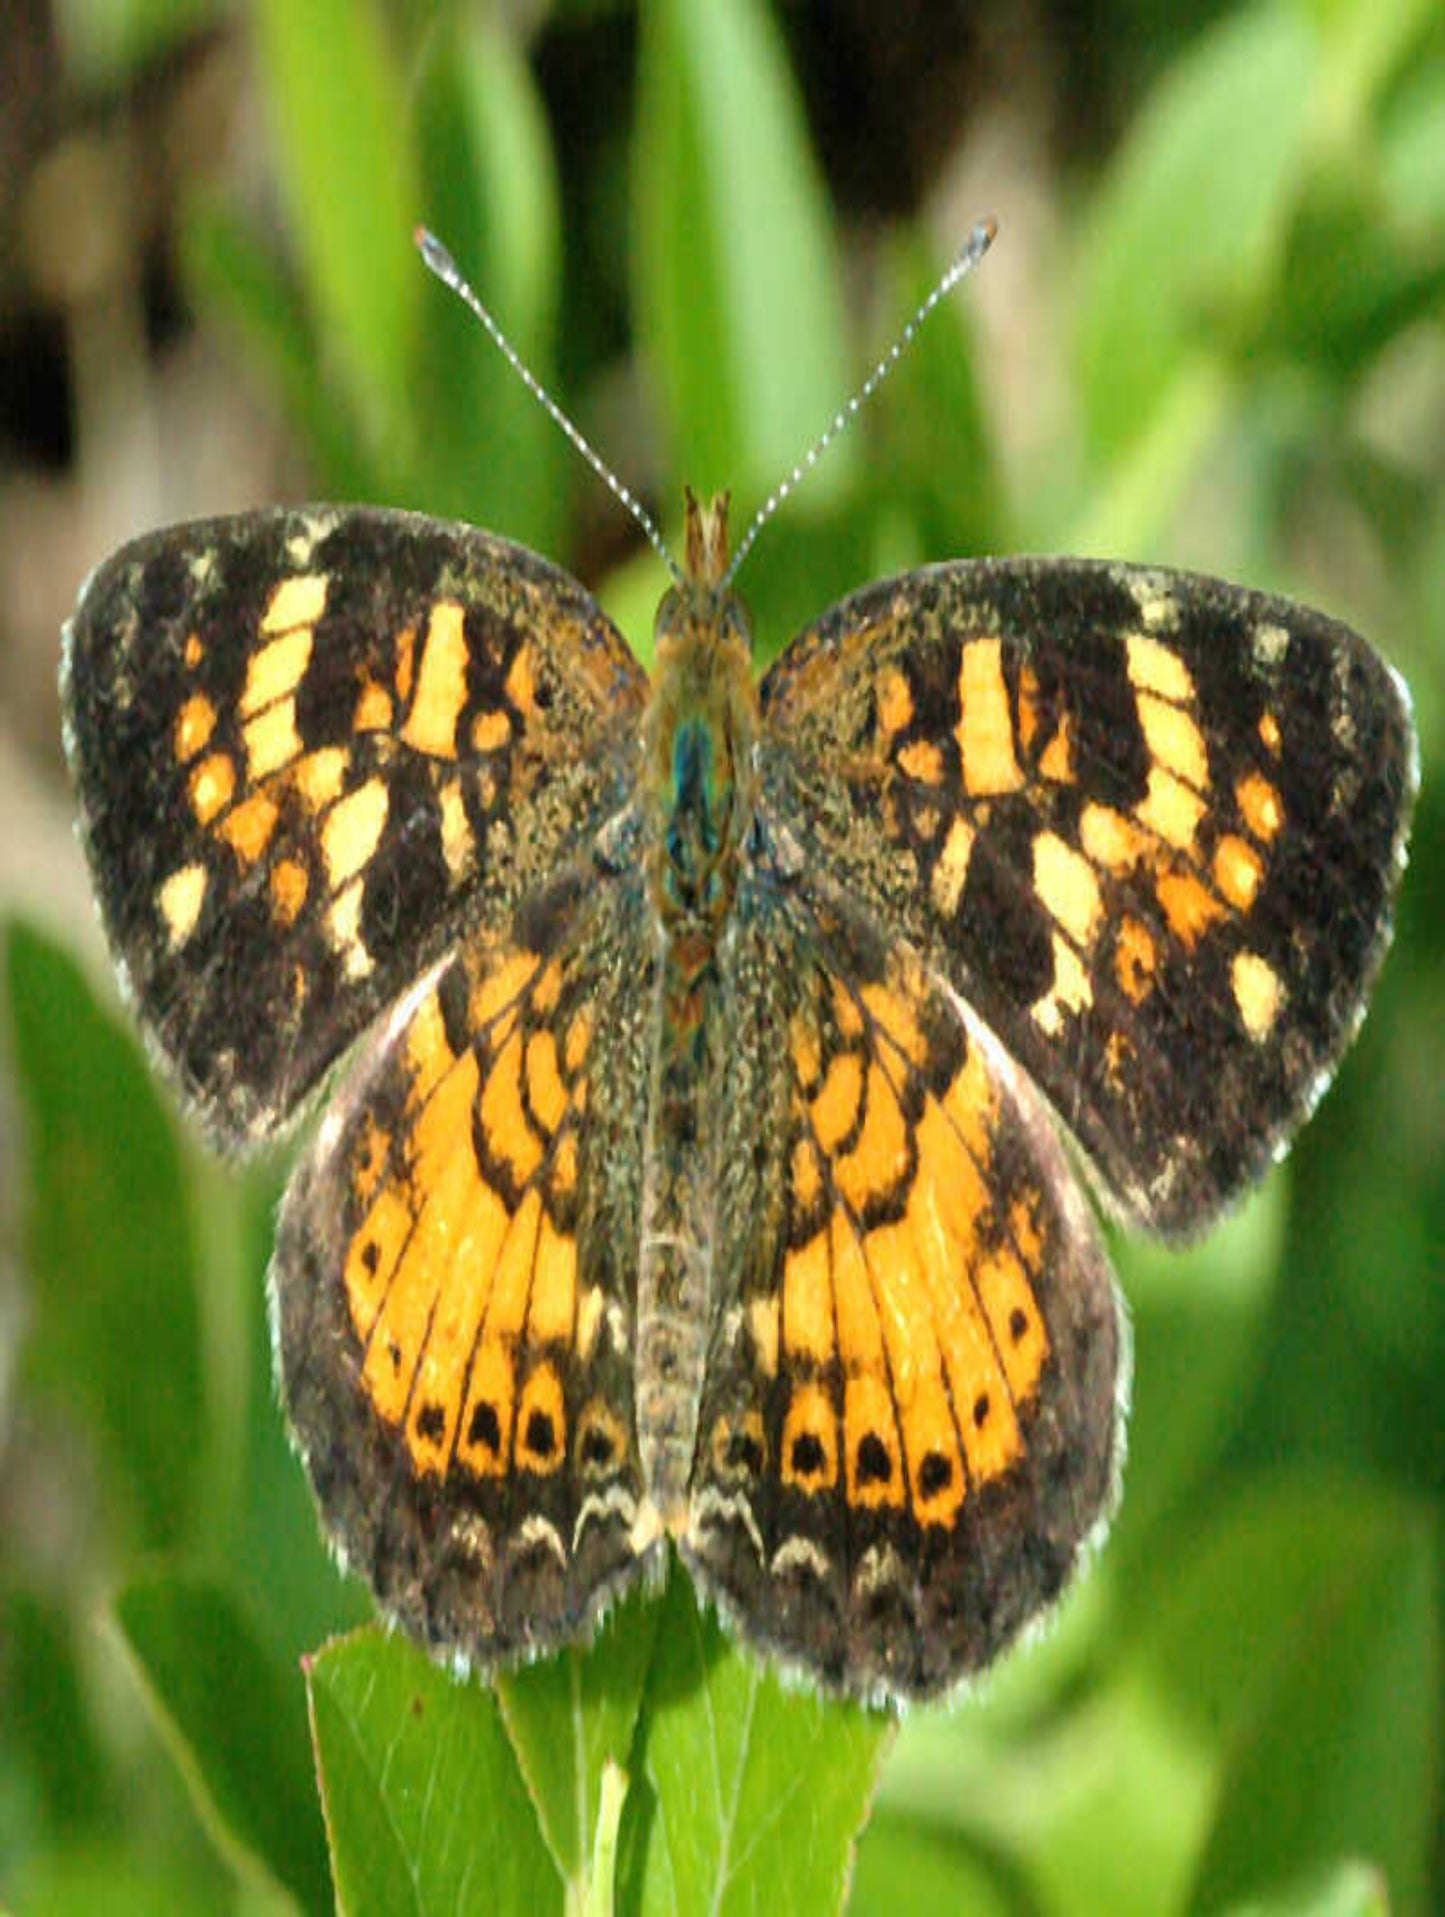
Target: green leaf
571, 1716
114, 1333
737, 289
426, 1810
750, 1795
1344, 1890
1188, 227
236, 1722
904, 1864
492, 455
338, 112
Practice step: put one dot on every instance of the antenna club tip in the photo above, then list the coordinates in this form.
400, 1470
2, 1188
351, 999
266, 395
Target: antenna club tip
988, 229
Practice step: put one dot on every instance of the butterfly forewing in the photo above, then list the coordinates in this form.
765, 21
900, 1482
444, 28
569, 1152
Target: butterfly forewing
1149, 825
310, 746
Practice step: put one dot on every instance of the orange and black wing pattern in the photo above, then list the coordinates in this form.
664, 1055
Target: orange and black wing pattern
455, 1278
312, 745
1149, 825
910, 1419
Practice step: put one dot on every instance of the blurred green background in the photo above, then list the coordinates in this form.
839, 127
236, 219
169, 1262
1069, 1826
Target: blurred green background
1212, 333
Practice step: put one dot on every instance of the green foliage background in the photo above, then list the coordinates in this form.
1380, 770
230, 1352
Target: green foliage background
1238, 255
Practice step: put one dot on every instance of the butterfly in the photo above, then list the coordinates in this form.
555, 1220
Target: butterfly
696, 1179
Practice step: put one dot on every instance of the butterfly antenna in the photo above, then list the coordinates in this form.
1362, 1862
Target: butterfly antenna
967, 257
439, 261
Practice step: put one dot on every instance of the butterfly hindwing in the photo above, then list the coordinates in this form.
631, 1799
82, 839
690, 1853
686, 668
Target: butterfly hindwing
312, 745
910, 1416
1149, 825
454, 1285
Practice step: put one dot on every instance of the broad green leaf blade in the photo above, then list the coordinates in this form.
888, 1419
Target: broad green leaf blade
1347, 1890
1189, 226
738, 300
569, 1717
426, 1810
113, 1334
491, 455
236, 1721
905, 1864
1356, 1686
750, 1796
242, 292
338, 109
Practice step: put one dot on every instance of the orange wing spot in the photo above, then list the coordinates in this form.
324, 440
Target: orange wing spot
949, 1200
1136, 958
601, 1442
353, 830
1067, 885
195, 652
739, 1450
1190, 907
1174, 740
275, 671
1269, 734
1237, 871
922, 760
441, 686
371, 1257
835, 1109
892, 1009
500, 988
428, 1055
321, 775
985, 731
368, 1160
564, 1165
212, 787
591, 1309
870, 1441
1014, 1318
1023, 1218
846, 1013
491, 731
809, 1458
548, 989
1056, 761
180, 899
485, 1435
520, 684
503, 1117
195, 722
575, 1043
905, 1309
808, 1302
762, 1316
271, 740
298, 601
1157, 669
895, 701
546, 1093
248, 829
554, 1286
806, 1176
880, 1158
541, 1423
512, 1278
1170, 808
971, 1105
405, 662
458, 845
1259, 807
289, 884
860, 1341
805, 1052
1068, 995
1028, 708
375, 709
1119, 1057
950, 870
1110, 839
1258, 993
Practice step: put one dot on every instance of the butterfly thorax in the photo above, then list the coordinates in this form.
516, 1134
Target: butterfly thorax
698, 776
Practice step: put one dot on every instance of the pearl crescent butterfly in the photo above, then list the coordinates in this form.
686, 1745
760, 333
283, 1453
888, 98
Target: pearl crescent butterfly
697, 1178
